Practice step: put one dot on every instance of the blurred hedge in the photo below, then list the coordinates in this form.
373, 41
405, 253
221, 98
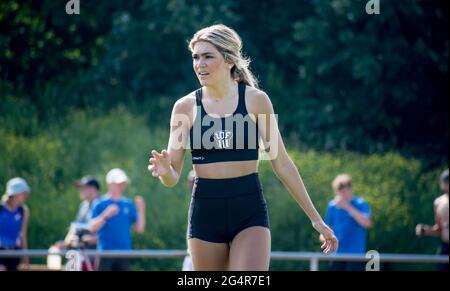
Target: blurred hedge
398, 190
357, 93
342, 79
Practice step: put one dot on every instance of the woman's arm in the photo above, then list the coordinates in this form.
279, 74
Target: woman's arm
168, 164
286, 170
24, 233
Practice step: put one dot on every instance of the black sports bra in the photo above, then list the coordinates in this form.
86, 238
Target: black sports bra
231, 138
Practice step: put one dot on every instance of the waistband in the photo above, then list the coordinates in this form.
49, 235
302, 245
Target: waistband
226, 188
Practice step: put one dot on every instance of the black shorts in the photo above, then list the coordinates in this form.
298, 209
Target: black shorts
444, 252
221, 208
444, 249
10, 263
114, 264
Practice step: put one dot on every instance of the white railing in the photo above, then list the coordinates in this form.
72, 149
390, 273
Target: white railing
313, 258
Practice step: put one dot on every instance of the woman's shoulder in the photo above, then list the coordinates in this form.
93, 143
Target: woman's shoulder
254, 92
257, 100
185, 103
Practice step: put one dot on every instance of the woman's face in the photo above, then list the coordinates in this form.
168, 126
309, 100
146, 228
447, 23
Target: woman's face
20, 198
209, 64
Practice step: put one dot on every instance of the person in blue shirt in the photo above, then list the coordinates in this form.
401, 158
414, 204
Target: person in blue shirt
14, 216
113, 215
349, 216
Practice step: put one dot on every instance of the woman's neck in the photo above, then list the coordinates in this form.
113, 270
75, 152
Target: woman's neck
11, 205
221, 91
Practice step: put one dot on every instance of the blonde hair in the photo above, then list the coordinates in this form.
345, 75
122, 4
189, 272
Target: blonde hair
341, 180
229, 44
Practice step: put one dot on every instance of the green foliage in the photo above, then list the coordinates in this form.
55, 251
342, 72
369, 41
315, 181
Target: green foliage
357, 93
374, 73
340, 78
39, 42
86, 143
398, 189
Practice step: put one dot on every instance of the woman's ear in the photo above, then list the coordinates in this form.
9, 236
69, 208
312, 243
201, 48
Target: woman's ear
229, 64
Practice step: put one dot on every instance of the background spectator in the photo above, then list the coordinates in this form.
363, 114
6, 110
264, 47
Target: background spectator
349, 217
112, 218
14, 216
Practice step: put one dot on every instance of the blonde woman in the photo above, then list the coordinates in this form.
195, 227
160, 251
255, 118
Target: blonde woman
223, 121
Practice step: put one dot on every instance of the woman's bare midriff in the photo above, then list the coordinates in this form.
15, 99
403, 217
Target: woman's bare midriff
224, 170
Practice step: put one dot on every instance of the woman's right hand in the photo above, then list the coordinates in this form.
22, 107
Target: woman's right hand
159, 163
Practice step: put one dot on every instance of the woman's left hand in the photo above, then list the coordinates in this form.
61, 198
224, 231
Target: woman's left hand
330, 243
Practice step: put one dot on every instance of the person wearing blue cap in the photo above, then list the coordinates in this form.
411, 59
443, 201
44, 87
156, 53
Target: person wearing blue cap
14, 216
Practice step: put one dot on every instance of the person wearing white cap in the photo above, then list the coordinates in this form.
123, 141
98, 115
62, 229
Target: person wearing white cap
14, 216
112, 218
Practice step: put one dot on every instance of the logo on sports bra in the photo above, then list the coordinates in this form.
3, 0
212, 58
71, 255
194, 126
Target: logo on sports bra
17, 217
223, 139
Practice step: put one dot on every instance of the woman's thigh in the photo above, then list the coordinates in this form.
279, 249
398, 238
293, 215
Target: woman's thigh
208, 256
250, 250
